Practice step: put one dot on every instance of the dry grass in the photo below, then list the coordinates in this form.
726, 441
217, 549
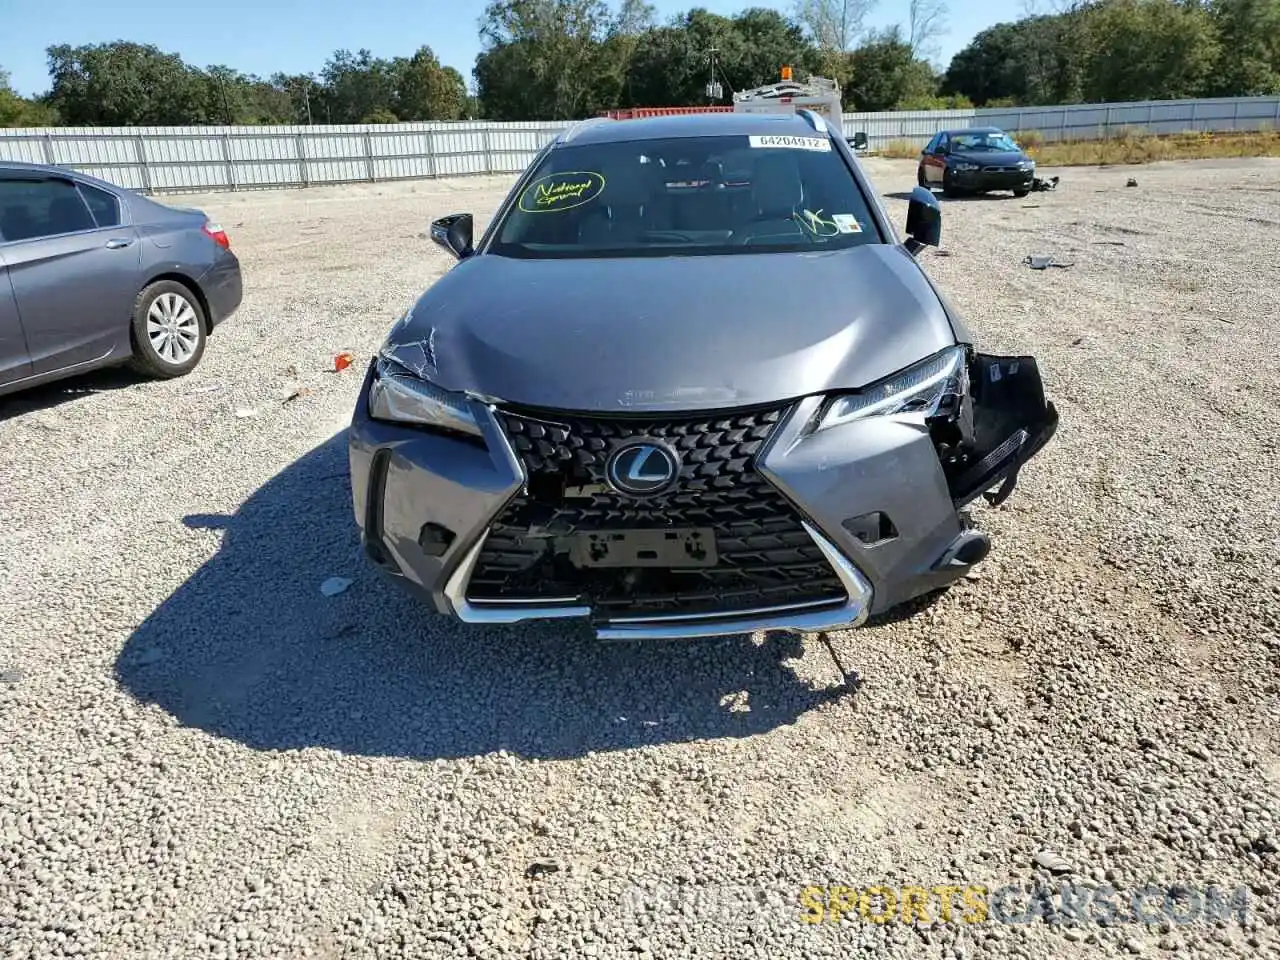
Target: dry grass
1132, 148
1128, 147
899, 150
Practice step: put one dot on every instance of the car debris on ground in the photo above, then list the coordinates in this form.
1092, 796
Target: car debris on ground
334, 586
1038, 261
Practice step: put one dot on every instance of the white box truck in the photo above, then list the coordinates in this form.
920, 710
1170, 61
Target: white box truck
818, 94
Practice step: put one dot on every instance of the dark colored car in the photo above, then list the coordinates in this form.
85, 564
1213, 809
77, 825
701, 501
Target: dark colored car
689, 382
975, 160
93, 275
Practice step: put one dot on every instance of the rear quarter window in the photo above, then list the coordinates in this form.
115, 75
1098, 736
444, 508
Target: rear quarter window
104, 206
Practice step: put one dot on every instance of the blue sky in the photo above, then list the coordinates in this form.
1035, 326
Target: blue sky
262, 36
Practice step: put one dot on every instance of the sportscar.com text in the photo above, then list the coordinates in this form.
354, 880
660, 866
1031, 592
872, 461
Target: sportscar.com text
1066, 904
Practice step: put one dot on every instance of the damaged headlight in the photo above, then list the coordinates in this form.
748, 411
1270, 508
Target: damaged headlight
924, 388
398, 395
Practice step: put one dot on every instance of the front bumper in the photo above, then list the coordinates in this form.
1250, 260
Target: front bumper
993, 179
431, 508
808, 617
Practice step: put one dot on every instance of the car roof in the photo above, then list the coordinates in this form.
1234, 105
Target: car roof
952, 133
19, 166
720, 124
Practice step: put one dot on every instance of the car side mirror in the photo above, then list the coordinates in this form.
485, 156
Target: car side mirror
924, 221
859, 140
454, 233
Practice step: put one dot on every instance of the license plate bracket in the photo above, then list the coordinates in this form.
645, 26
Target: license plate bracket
686, 547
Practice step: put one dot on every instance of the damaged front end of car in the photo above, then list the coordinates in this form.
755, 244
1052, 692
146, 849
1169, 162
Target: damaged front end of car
805, 515
1000, 422
987, 416
891, 469
992, 419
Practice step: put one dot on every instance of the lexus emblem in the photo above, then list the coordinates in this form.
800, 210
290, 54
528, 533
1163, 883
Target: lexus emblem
643, 469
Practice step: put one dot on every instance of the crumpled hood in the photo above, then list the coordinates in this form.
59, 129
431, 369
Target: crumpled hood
648, 333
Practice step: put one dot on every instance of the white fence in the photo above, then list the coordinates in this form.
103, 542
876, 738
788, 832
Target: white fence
1086, 121
178, 159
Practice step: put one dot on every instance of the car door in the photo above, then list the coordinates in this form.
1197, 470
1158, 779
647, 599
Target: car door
936, 162
15, 360
74, 279
927, 152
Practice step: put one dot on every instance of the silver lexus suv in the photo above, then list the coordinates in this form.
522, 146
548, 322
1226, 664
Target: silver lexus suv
688, 382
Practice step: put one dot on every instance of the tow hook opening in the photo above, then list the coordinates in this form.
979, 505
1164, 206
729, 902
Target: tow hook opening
968, 549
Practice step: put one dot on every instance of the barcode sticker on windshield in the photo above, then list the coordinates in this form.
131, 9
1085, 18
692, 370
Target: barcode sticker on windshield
846, 223
790, 143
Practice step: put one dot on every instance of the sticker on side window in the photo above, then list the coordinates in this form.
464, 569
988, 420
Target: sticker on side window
561, 191
821, 144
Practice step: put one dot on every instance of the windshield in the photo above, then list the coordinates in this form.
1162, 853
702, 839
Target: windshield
687, 196
1001, 142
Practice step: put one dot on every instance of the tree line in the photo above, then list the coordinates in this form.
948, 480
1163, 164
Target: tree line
567, 59
125, 84
1093, 52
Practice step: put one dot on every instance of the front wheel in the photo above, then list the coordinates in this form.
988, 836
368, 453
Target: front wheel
921, 179
168, 330
1021, 193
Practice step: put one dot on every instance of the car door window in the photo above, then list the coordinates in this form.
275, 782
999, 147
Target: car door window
48, 207
932, 144
104, 206
943, 144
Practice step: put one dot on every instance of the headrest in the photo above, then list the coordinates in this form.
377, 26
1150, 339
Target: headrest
68, 214
776, 185
627, 182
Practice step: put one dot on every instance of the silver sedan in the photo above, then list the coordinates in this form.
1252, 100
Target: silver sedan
94, 275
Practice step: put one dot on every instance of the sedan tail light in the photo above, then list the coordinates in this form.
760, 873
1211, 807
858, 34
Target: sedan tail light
217, 234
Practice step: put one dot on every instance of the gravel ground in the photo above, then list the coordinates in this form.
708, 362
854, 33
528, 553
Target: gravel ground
202, 755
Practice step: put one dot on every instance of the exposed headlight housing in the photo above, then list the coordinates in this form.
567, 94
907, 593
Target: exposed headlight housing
966, 167
398, 396
922, 389
1026, 164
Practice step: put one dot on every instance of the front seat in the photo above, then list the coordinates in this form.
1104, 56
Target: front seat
776, 193
69, 215
624, 216
16, 223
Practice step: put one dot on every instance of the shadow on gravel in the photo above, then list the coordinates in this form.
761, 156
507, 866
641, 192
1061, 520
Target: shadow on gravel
975, 197
248, 648
55, 394
962, 197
